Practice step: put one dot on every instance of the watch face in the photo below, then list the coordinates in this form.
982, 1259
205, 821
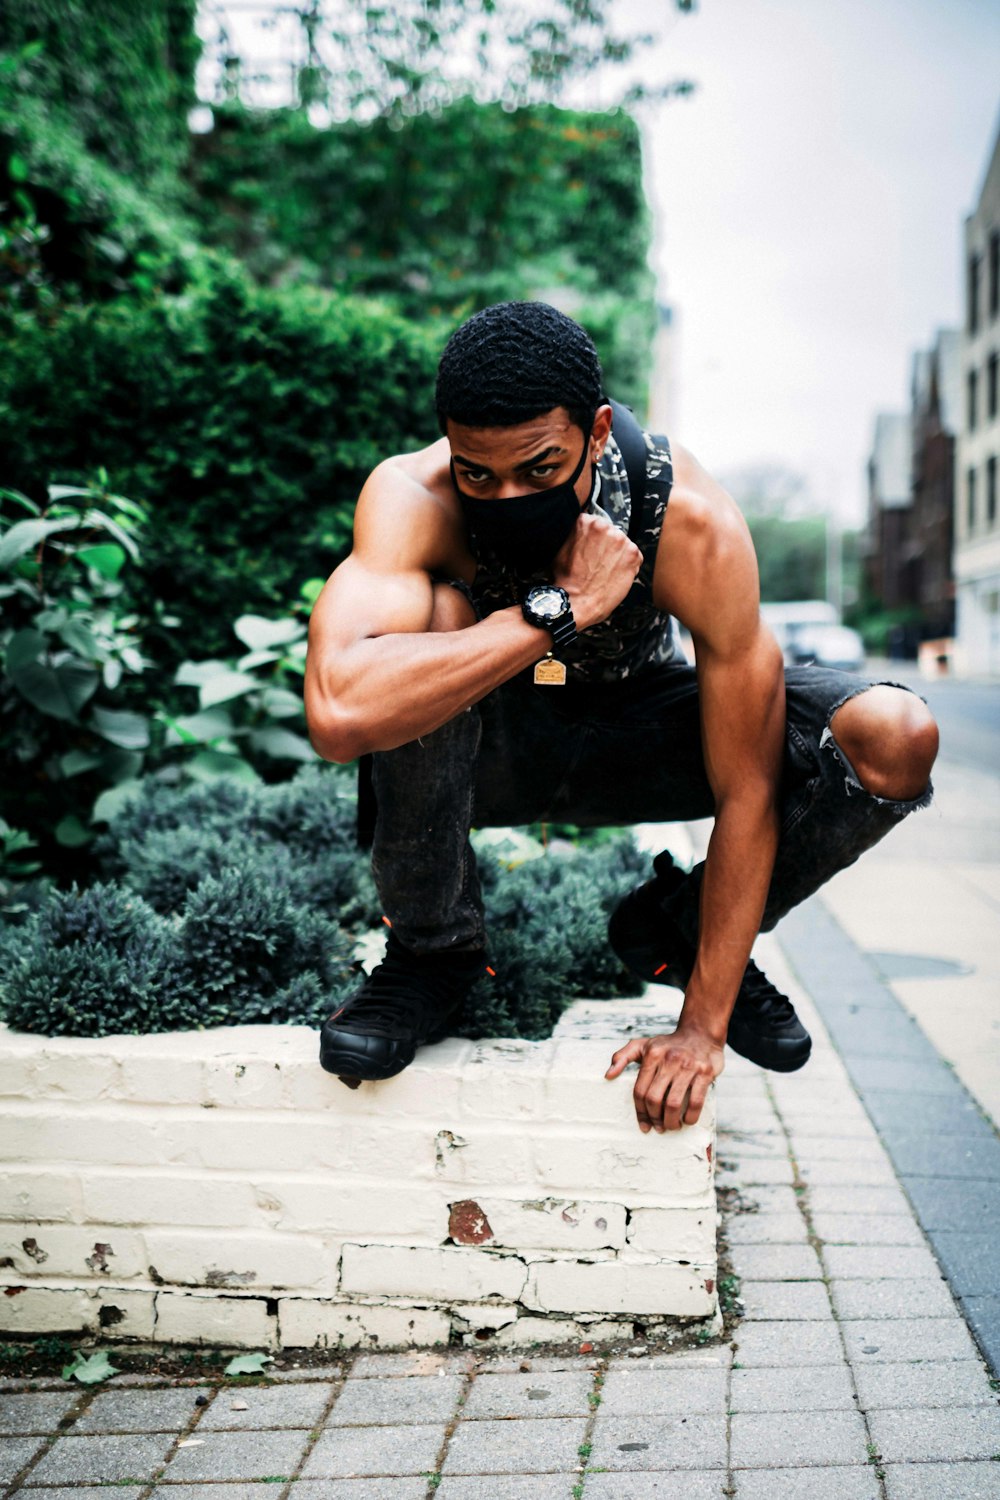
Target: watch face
547, 603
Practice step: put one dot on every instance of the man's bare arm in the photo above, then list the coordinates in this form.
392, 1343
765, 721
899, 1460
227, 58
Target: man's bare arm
707, 576
377, 676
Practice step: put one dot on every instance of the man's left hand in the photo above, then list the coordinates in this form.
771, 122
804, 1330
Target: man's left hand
675, 1070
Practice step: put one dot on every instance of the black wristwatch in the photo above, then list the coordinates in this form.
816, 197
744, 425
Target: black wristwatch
547, 606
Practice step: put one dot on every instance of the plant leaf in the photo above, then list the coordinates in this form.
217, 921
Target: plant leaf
71, 833
260, 634
248, 1364
224, 686
106, 558
89, 1370
282, 744
209, 765
120, 727
24, 536
111, 802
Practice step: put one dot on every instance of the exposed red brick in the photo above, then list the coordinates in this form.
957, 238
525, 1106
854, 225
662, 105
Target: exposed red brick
467, 1224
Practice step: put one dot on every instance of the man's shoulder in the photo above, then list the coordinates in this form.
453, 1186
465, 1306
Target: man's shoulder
407, 507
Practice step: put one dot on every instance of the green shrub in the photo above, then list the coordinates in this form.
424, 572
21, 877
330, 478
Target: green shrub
445, 212
227, 903
122, 74
246, 417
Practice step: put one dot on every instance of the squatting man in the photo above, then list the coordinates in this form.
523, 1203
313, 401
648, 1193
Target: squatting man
499, 640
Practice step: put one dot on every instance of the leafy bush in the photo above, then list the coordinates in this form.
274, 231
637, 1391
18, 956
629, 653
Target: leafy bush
227, 903
444, 212
246, 417
121, 73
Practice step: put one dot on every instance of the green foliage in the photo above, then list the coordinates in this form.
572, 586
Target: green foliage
445, 212
791, 555
72, 659
402, 61
547, 921
247, 417
122, 73
71, 225
89, 1369
224, 903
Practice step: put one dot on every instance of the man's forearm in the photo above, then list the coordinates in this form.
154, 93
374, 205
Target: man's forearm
734, 890
387, 690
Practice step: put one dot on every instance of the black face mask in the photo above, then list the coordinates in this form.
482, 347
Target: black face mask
524, 531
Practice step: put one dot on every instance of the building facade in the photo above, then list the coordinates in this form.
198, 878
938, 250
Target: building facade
935, 409
977, 509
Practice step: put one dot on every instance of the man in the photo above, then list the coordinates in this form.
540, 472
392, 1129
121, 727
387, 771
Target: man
500, 639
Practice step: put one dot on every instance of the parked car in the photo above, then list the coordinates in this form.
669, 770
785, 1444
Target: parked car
828, 646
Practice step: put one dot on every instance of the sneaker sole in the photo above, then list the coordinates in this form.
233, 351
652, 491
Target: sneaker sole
777, 1056
344, 1053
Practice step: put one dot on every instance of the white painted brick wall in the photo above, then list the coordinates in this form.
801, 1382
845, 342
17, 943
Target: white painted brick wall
219, 1187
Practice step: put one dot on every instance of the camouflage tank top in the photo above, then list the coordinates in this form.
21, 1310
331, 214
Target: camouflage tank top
636, 635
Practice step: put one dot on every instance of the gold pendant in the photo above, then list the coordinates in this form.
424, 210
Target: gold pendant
549, 672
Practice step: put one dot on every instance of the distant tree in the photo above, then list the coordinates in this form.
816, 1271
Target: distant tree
405, 57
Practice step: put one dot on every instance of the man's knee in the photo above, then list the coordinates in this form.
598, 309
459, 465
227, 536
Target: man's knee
890, 738
451, 609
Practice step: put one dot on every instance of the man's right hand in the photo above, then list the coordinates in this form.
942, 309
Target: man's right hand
596, 566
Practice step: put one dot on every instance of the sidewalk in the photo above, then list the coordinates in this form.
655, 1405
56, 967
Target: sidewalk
852, 1376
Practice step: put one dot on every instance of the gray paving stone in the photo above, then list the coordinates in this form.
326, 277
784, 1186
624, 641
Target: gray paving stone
103, 1460
35, 1411
819, 1388
776, 1263
235, 1491
710, 1357
237, 1455
541, 1394
736, 1171
140, 1411
867, 1229
357, 1452
76, 1492
779, 1199
951, 1204
344, 1489
631, 1393
970, 1261
880, 1341
983, 1316
767, 1229
952, 1481
15, 1453
815, 1439
935, 1435
833, 1199
926, 1298
768, 1300
945, 1156
658, 1443
809, 1484
747, 1142
776, 1345
933, 1383
393, 1403
845, 1173
507, 1487
269, 1406
898, 1113
834, 1147
691, 1484
930, 1077
871, 1262
332, 1371
544, 1446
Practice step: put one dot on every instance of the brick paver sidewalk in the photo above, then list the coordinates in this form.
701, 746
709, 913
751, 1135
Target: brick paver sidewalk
851, 1377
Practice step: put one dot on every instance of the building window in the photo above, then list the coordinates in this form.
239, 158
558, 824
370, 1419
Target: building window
994, 273
973, 394
970, 493
991, 385
991, 491
975, 263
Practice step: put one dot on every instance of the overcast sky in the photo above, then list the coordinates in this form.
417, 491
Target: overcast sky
809, 201
810, 198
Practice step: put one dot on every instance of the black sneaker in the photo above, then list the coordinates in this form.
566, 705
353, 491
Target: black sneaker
407, 1001
763, 1026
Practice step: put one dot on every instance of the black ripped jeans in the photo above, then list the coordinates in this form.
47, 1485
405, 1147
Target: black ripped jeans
604, 755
